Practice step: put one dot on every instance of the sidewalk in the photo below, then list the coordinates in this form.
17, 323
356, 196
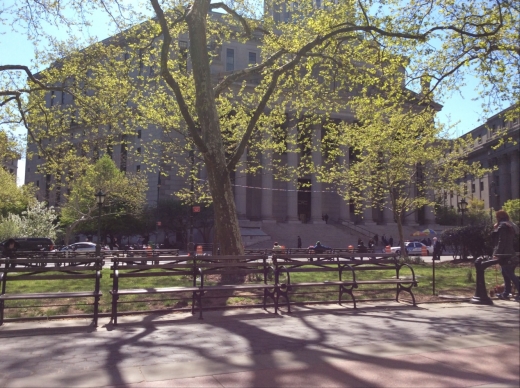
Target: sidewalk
378, 345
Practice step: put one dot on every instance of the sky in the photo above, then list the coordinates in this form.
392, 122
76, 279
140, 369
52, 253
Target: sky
459, 108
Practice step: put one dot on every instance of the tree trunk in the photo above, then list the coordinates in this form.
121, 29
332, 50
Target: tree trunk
228, 231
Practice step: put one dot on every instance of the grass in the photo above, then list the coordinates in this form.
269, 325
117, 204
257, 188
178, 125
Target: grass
453, 279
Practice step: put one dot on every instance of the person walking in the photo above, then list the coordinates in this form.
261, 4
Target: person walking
391, 241
504, 236
437, 249
299, 242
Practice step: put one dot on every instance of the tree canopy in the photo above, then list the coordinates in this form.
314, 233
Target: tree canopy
313, 61
124, 194
15, 199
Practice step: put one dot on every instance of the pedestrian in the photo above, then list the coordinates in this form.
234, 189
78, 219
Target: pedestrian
9, 250
391, 241
504, 234
318, 248
384, 240
326, 218
437, 249
376, 239
429, 242
361, 248
299, 242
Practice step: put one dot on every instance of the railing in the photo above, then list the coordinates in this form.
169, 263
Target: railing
357, 229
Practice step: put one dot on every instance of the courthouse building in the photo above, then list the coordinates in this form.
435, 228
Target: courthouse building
259, 197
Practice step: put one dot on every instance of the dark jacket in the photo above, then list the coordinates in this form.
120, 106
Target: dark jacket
437, 247
318, 248
10, 252
504, 237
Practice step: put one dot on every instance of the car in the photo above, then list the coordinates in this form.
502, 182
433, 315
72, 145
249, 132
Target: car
414, 248
33, 244
82, 247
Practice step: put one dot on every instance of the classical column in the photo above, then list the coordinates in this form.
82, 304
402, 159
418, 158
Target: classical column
316, 205
368, 214
267, 185
515, 175
240, 187
388, 214
505, 176
344, 209
292, 164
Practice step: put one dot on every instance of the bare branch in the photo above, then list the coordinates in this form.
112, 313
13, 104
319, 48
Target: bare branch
231, 11
170, 80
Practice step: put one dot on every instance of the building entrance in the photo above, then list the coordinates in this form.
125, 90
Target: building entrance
304, 200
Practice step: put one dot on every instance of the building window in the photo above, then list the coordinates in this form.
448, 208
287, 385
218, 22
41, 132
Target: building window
38, 183
252, 58
138, 133
481, 186
52, 97
138, 168
451, 193
230, 59
138, 150
124, 153
28, 169
183, 55
472, 187
465, 189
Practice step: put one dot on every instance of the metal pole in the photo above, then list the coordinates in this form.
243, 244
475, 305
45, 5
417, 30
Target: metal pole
98, 246
192, 192
433, 269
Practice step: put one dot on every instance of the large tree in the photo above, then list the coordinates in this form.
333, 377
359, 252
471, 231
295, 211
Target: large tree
313, 60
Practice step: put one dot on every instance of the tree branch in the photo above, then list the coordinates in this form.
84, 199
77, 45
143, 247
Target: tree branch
231, 11
170, 80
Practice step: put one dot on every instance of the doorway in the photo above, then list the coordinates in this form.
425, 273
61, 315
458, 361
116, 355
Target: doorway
304, 200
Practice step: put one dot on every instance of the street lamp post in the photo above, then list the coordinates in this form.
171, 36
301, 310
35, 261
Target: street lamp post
462, 205
191, 247
100, 198
158, 223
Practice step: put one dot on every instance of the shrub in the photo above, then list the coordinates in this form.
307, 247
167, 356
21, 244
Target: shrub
473, 240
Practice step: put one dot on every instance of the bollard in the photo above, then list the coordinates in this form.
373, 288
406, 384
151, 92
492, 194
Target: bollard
481, 296
424, 251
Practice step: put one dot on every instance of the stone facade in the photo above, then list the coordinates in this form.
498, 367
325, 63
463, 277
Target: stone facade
499, 185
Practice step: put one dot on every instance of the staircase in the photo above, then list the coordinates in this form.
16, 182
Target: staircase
332, 235
287, 235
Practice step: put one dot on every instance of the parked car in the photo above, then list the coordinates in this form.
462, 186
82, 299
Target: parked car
82, 247
29, 244
33, 244
414, 248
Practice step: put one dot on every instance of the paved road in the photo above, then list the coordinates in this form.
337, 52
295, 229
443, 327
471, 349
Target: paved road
378, 345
